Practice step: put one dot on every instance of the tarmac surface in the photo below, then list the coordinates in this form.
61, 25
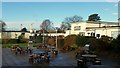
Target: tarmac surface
62, 59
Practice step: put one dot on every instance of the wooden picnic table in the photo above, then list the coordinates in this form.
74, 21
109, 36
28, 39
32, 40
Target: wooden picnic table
89, 55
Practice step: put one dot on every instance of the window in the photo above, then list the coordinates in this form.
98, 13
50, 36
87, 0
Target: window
77, 28
98, 35
82, 33
16, 36
93, 34
23, 34
8, 34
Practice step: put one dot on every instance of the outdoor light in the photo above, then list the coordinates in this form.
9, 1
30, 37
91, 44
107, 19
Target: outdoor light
43, 37
56, 38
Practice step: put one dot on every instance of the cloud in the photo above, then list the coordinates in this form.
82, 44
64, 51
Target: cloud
115, 13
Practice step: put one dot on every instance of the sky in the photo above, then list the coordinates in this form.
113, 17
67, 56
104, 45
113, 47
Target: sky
16, 13
60, 0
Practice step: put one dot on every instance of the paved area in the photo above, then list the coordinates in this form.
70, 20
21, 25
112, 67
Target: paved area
62, 59
0, 54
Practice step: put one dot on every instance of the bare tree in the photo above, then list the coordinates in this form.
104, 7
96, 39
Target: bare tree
46, 25
73, 19
2, 25
65, 26
66, 22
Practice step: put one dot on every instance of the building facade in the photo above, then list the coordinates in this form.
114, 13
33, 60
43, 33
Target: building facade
14, 34
96, 29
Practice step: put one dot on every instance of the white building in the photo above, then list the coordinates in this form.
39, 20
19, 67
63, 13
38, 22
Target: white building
14, 34
0, 35
96, 29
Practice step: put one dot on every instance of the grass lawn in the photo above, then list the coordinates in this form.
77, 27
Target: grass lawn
9, 45
20, 44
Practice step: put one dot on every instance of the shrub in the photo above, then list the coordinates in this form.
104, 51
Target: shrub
69, 40
12, 41
5, 41
35, 45
93, 43
81, 40
116, 44
51, 41
99, 45
60, 42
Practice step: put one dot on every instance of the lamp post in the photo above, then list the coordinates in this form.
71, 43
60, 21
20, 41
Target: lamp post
43, 38
30, 39
106, 31
31, 32
119, 26
56, 38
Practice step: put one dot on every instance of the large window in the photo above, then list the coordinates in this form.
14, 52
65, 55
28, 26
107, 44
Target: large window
77, 28
93, 34
82, 33
8, 34
97, 35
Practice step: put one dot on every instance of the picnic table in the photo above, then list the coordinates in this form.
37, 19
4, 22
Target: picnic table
39, 56
89, 55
